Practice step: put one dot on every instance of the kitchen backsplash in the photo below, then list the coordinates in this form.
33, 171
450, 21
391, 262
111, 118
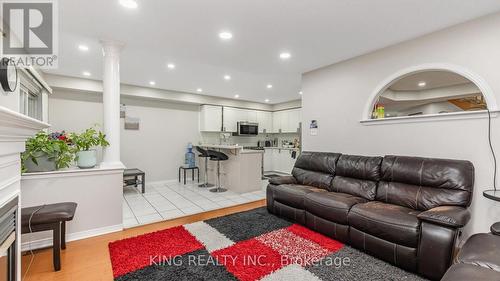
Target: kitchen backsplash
216, 138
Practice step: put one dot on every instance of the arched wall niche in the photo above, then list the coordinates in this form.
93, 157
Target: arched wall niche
383, 87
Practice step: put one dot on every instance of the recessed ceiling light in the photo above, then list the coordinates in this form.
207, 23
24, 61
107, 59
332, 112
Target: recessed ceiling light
227, 77
152, 83
171, 66
129, 4
422, 84
300, 93
236, 96
83, 48
225, 35
285, 55
199, 90
267, 100
269, 86
86, 73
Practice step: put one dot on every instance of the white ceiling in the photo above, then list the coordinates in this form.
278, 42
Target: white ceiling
185, 32
433, 79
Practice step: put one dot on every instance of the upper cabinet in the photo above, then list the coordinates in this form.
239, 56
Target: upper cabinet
231, 117
287, 121
265, 120
217, 118
210, 118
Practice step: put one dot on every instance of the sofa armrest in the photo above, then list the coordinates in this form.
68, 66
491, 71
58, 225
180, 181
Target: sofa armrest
283, 180
495, 228
451, 216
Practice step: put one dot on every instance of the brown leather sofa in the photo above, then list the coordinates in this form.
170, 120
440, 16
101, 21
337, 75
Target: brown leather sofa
479, 258
408, 211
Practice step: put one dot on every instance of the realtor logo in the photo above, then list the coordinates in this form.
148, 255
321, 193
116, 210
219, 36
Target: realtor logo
29, 33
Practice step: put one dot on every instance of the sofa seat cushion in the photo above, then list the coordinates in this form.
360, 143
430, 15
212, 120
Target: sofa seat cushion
293, 195
467, 272
392, 223
481, 250
332, 206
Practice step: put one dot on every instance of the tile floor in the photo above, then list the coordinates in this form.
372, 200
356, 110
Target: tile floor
169, 200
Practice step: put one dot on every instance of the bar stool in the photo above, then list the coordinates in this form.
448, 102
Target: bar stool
204, 154
217, 156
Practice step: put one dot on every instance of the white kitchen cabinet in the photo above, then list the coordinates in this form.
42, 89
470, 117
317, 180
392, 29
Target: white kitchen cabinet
231, 117
286, 121
278, 160
292, 121
210, 118
278, 120
265, 120
251, 116
268, 160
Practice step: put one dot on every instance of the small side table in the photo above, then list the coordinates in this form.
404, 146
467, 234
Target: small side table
192, 173
136, 173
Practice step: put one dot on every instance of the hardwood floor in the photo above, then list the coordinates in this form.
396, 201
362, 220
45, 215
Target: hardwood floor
88, 259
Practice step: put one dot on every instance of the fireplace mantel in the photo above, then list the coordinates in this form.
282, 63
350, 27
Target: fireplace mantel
15, 128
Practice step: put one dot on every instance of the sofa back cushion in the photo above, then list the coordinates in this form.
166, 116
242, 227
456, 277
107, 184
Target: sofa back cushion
424, 183
315, 168
357, 175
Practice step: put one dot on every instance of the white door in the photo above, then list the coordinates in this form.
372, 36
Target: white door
210, 118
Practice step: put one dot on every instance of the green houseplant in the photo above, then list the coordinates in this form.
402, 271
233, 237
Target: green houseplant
47, 152
84, 143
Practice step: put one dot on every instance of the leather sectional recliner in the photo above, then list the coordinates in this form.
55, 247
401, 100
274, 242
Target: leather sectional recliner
408, 211
478, 259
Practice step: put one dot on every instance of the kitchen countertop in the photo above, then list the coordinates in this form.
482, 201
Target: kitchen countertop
283, 148
222, 146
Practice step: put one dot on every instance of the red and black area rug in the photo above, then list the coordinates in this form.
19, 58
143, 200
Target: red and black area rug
247, 246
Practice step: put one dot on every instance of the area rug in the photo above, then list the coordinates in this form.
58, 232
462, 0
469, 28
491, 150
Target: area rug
247, 246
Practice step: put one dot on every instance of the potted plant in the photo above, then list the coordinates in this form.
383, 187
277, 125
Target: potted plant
47, 152
84, 143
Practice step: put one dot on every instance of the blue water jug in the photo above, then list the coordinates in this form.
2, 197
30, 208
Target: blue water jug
189, 158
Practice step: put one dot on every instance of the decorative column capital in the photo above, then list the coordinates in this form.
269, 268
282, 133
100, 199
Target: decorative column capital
111, 47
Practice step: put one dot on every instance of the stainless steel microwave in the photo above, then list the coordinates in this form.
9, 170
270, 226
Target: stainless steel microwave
248, 129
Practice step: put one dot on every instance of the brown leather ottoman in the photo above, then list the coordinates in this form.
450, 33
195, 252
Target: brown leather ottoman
49, 217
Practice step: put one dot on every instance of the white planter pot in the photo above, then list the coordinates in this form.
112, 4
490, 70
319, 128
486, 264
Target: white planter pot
86, 159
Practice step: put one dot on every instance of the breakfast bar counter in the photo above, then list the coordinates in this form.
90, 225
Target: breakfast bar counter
241, 173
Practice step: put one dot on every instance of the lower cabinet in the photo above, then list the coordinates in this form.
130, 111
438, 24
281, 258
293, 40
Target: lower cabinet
278, 160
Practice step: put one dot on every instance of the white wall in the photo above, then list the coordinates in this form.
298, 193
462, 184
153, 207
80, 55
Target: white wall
10, 100
337, 95
98, 193
157, 148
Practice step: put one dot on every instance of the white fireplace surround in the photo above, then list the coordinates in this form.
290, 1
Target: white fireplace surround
15, 128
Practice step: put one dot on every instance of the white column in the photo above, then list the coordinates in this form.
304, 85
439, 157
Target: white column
111, 102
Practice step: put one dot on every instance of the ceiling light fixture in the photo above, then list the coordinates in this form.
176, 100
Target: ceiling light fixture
285, 55
152, 83
129, 4
171, 66
199, 90
269, 86
236, 96
225, 35
300, 93
83, 48
86, 73
227, 77
422, 84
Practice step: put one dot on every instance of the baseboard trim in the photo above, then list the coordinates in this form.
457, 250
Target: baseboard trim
47, 242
